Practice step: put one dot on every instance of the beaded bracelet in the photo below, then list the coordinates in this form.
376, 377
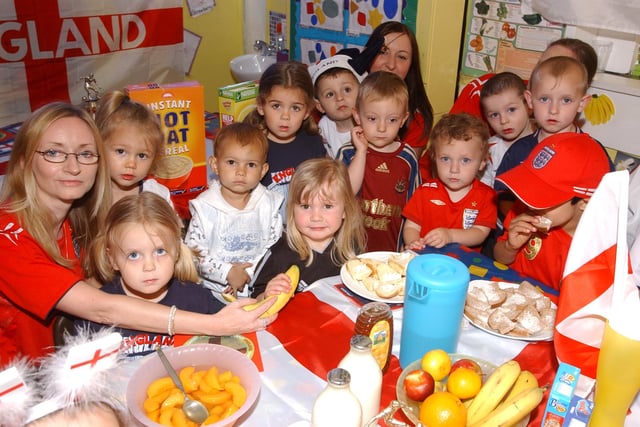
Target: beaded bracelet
172, 318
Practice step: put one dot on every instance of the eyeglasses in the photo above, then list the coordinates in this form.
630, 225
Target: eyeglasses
83, 157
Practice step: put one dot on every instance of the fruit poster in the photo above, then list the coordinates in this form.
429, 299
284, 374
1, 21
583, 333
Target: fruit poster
322, 27
505, 36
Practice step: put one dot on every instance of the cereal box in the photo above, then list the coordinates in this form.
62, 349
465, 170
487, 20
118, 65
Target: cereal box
180, 108
237, 101
562, 391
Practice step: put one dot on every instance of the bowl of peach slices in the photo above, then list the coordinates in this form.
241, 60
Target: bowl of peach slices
222, 378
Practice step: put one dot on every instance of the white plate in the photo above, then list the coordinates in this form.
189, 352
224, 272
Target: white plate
414, 407
545, 335
357, 287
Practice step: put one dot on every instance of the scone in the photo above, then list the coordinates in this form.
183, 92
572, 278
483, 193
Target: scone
386, 274
399, 262
387, 290
358, 269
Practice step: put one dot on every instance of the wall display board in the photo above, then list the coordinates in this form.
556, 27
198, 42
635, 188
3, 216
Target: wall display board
322, 27
503, 36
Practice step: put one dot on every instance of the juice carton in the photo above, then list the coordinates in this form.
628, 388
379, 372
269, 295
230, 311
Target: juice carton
237, 101
562, 391
180, 108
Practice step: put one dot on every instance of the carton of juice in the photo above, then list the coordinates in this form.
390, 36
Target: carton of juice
180, 108
236, 101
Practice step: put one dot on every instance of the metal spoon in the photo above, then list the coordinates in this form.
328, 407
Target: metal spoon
193, 409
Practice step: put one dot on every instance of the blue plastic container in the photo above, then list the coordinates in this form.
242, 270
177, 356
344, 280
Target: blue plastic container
435, 292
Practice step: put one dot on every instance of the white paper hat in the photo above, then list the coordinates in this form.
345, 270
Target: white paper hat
335, 61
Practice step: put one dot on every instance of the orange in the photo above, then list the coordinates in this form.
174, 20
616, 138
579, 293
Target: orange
443, 409
436, 362
464, 383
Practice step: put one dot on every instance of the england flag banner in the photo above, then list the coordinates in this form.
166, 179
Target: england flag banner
597, 261
48, 47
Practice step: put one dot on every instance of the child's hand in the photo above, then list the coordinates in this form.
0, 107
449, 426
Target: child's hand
416, 245
280, 283
358, 140
238, 277
438, 237
520, 230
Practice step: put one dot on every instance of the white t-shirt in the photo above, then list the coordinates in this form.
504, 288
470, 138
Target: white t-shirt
331, 137
497, 148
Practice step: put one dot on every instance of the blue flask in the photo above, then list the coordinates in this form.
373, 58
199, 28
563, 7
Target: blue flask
435, 292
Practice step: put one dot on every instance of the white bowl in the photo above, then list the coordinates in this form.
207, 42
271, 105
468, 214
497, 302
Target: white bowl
250, 67
200, 356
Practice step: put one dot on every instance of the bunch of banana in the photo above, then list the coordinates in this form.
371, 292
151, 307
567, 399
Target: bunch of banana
508, 395
281, 299
599, 109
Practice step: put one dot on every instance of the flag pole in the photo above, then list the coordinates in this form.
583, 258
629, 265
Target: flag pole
621, 267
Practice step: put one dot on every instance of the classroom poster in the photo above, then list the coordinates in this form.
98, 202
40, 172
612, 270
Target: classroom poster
323, 27
502, 35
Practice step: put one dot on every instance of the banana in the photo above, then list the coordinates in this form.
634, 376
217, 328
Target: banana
282, 298
525, 380
597, 110
493, 391
588, 110
608, 107
510, 413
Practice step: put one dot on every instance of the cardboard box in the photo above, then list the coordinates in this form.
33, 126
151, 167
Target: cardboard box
237, 101
180, 108
562, 391
579, 412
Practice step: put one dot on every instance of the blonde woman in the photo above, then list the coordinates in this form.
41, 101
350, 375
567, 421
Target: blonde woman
51, 206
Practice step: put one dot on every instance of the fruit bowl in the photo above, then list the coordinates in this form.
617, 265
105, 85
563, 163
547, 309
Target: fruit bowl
414, 406
200, 356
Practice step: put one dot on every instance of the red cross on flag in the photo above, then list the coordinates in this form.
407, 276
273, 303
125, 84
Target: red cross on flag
99, 354
48, 46
12, 386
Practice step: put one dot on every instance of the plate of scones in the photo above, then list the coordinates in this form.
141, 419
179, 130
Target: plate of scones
518, 311
378, 276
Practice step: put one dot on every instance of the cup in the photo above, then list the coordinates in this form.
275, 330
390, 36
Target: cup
603, 50
617, 378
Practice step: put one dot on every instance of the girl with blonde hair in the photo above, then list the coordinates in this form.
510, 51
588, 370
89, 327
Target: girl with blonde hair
325, 228
141, 254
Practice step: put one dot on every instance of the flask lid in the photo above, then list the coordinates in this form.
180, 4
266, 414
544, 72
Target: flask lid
361, 342
339, 377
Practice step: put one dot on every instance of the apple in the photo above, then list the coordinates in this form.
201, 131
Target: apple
418, 385
466, 363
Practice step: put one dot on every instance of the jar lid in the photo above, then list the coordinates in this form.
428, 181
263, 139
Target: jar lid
339, 377
375, 308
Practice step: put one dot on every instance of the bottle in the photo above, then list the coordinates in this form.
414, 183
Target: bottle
375, 320
336, 405
366, 375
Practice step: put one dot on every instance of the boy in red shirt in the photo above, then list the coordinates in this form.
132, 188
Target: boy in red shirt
553, 186
455, 206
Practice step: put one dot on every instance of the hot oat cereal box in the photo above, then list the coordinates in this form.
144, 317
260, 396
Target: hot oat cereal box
180, 108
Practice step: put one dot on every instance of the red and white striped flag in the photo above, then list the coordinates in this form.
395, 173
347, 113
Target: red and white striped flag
48, 46
585, 301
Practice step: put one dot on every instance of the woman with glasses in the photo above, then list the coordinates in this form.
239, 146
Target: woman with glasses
51, 207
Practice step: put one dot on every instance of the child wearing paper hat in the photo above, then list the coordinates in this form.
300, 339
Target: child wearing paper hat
553, 186
335, 83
